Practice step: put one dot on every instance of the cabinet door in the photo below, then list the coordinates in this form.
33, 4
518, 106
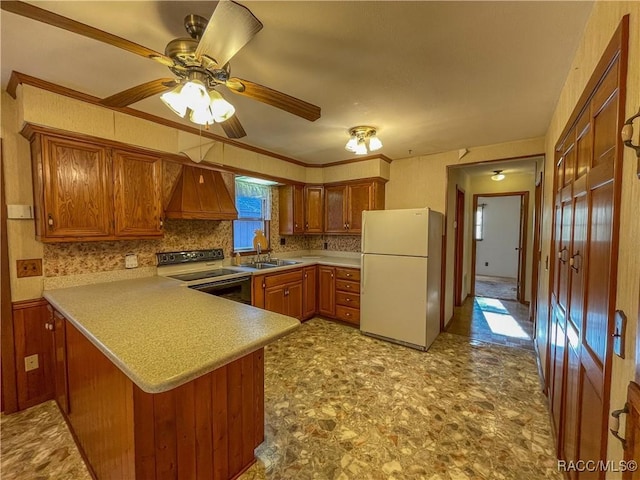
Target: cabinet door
309, 291
359, 199
335, 209
137, 183
77, 189
313, 197
291, 208
60, 361
257, 291
274, 299
293, 294
326, 300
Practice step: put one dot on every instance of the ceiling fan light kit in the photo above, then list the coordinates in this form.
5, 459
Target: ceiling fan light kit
363, 139
498, 176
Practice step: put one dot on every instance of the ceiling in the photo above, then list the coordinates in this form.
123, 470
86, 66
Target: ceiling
518, 166
431, 76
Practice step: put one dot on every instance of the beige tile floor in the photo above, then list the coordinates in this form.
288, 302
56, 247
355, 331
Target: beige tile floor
340, 405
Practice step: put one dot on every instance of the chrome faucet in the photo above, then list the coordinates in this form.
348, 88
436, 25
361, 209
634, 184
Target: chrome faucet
259, 250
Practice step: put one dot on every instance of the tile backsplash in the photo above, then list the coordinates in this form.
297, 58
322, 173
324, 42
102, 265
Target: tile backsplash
74, 258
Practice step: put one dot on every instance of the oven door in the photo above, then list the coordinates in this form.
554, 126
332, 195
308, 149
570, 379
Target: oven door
236, 289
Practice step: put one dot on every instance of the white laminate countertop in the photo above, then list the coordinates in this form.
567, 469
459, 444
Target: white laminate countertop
163, 335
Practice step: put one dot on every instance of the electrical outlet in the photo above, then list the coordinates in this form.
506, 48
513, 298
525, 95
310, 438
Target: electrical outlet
283, 241
130, 260
486, 264
325, 245
31, 363
29, 268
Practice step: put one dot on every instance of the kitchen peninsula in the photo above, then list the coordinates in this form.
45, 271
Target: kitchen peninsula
161, 381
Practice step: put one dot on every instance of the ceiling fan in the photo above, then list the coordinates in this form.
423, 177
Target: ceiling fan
203, 58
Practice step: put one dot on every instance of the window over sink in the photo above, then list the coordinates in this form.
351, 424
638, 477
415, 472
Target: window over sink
253, 202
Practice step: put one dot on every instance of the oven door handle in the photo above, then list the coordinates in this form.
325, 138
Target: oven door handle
229, 281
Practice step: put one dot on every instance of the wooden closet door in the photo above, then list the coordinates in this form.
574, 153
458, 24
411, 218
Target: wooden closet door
587, 217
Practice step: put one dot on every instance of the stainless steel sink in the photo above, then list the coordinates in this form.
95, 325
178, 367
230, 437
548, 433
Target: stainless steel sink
260, 265
270, 264
282, 263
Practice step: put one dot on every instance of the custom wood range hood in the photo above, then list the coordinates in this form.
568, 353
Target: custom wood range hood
201, 194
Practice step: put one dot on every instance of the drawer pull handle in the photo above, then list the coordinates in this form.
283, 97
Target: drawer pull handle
348, 299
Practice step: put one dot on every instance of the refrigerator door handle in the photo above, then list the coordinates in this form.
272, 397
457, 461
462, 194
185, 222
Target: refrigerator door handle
362, 275
364, 223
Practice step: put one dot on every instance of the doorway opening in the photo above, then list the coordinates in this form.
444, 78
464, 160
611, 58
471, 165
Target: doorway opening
499, 243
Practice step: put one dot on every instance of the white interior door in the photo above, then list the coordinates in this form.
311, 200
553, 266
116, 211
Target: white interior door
393, 300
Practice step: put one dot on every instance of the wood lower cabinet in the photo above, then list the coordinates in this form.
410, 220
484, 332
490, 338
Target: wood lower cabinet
85, 190
327, 290
280, 292
309, 291
339, 293
207, 428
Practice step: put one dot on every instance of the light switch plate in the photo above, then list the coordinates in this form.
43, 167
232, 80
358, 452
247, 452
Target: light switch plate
619, 333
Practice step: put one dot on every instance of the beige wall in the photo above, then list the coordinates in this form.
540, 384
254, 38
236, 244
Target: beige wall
600, 28
48, 109
423, 182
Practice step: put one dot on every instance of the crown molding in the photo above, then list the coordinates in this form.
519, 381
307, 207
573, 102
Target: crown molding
18, 78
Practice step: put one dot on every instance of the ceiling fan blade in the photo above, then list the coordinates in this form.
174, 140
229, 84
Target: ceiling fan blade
230, 28
274, 98
139, 92
233, 128
39, 14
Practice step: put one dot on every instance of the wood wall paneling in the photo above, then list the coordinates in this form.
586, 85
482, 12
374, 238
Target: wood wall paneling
32, 338
9, 393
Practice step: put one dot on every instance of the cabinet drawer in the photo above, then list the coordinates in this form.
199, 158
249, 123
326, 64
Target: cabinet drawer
351, 315
348, 299
348, 286
282, 278
348, 274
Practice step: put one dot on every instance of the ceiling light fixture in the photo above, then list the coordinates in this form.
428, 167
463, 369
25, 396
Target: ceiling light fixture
363, 139
206, 106
498, 176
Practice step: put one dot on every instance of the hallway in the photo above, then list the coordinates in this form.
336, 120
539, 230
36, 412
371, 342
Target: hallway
493, 320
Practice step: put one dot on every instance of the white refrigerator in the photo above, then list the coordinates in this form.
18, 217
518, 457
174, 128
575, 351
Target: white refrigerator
401, 272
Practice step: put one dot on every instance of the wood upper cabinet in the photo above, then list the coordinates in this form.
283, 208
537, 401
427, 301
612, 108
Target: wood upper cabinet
327, 288
291, 209
309, 291
344, 205
72, 189
137, 181
335, 207
300, 209
313, 208
89, 191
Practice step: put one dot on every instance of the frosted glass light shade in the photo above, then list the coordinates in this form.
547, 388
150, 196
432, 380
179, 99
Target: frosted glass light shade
352, 144
195, 95
202, 116
175, 101
361, 149
374, 143
221, 110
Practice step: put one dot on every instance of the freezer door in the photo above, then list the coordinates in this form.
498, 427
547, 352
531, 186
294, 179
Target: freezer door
396, 232
393, 298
